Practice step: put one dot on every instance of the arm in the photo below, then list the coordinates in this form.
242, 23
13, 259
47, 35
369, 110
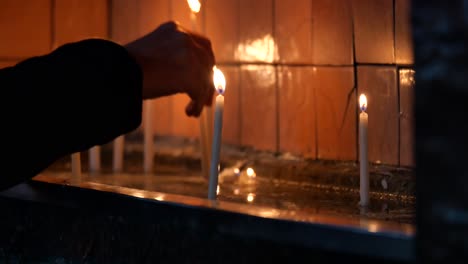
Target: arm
87, 93
82, 94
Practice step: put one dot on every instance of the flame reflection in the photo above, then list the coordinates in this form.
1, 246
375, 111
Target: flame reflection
407, 77
250, 197
262, 49
194, 5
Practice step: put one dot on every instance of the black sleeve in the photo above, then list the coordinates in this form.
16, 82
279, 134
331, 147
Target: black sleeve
82, 94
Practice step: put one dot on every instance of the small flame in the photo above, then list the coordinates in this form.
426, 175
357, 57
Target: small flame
194, 5
363, 102
217, 190
251, 173
250, 197
159, 197
219, 80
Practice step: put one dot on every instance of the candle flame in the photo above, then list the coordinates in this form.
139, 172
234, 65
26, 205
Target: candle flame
194, 5
363, 102
219, 80
250, 197
251, 173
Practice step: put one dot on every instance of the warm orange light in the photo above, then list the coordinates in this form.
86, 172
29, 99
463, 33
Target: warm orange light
159, 197
251, 173
363, 102
217, 189
219, 80
250, 197
194, 5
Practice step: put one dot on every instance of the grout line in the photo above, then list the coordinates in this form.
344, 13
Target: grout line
110, 17
170, 10
52, 24
260, 63
399, 115
355, 86
238, 66
277, 88
239, 106
397, 85
394, 31
241, 119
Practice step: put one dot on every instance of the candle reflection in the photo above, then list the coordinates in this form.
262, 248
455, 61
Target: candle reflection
250, 173
250, 197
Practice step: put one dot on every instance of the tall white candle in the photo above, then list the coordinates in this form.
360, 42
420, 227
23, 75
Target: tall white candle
363, 152
148, 148
118, 154
95, 159
220, 86
76, 168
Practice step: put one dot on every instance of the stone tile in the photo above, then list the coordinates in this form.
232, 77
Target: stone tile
134, 18
180, 12
406, 77
293, 31
79, 19
183, 125
4, 64
125, 20
163, 121
222, 27
336, 112
256, 43
258, 107
332, 32
403, 33
231, 124
152, 14
297, 111
373, 31
379, 83
26, 28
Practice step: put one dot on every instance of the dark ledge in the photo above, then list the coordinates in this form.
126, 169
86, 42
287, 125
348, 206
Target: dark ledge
97, 223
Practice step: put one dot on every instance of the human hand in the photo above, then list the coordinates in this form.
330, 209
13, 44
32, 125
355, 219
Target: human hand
175, 60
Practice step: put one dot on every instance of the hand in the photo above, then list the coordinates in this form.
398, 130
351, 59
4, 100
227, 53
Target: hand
173, 61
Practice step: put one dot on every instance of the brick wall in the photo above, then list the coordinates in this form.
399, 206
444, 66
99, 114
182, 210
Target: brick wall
294, 69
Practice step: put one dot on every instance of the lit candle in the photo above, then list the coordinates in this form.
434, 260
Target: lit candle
363, 152
195, 8
206, 117
118, 153
94, 159
220, 86
76, 168
148, 151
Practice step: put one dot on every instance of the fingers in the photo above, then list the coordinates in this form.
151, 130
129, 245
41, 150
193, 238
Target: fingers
205, 45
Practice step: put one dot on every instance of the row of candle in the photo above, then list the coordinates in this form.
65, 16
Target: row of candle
205, 137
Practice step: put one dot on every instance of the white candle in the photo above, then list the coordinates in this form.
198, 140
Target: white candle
220, 86
118, 153
95, 159
76, 168
148, 148
363, 152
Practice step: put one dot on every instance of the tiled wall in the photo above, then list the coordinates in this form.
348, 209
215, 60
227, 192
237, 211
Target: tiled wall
294, 69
